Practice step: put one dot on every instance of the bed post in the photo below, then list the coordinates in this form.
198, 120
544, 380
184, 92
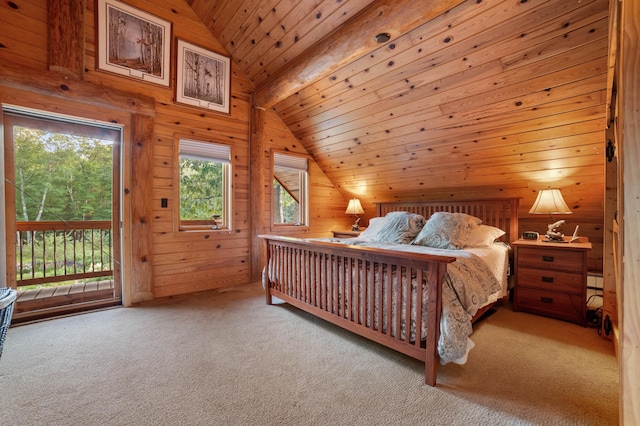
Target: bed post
434, 312
268, 294
265, 275
513, 220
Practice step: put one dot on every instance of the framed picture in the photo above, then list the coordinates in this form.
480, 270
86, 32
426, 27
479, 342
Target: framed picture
202, 78
133, 43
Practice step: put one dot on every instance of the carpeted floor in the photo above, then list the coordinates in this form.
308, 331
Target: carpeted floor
226, 358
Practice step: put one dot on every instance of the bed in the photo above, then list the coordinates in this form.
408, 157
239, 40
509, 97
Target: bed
401, 284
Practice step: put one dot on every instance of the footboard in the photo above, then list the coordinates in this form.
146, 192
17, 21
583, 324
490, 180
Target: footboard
391, 298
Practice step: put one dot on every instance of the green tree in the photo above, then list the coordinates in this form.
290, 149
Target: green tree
61, 177
286, 208
201, 189
29, 169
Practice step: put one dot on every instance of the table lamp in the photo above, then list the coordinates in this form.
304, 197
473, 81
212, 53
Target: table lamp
550, 201
355, 208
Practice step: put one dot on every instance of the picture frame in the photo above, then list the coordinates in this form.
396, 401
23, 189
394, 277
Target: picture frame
133, 43
203, 77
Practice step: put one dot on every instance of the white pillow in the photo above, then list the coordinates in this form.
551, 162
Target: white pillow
484, 236
375, 225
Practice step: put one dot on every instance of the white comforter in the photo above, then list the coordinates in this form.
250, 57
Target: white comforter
477, 278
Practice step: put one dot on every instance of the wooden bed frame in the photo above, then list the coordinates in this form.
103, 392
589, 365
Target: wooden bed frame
312, 276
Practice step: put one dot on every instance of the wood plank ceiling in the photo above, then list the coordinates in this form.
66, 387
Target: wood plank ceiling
472, 94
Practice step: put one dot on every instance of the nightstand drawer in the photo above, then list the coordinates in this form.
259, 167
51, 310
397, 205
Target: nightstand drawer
550, 280
563, 260
557, 305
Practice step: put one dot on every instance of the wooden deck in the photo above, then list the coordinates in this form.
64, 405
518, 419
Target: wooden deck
54, 301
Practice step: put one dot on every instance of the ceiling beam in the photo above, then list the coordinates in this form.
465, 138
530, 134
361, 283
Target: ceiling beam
352, 40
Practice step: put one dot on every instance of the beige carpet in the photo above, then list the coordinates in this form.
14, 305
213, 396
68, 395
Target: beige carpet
226, 358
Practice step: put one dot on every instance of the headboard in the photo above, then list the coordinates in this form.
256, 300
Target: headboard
501, 213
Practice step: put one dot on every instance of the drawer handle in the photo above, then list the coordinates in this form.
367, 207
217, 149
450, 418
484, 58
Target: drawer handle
546, 299
547, 258
547, 279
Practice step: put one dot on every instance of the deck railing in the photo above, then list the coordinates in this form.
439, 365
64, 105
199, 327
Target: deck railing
52, 252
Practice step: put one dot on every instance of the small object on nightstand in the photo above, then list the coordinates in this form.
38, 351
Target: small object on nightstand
562, 238
553, 234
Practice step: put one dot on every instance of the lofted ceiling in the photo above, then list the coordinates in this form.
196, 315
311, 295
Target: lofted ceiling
465, 94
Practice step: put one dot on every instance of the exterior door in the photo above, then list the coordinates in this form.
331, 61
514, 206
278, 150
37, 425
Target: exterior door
62, 213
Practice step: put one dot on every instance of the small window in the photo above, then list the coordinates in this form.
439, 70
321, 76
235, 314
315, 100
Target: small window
290, 190
205, 185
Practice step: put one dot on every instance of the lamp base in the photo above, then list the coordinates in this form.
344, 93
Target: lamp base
554, 236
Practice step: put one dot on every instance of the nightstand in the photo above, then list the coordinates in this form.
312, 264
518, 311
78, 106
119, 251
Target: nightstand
346, 234
551, 279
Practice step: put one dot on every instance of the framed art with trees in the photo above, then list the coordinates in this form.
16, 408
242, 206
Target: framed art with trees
133, 43
202, 77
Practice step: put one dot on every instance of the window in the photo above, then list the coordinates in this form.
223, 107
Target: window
290, 190
205, 185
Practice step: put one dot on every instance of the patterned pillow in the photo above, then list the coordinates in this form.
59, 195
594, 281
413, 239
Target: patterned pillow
447, 230
395, 227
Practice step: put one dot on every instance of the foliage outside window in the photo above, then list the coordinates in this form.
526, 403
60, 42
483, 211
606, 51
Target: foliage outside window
290, 190
205, 185
61, 176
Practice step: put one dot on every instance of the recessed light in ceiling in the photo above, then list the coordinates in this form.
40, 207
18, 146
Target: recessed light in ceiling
382, 38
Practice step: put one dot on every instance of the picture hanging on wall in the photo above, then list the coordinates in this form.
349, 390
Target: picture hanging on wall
133, 43
202, 78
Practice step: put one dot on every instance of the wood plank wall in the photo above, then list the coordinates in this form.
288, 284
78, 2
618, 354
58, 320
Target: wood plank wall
180, 262
491, 98
324, 210
184, 262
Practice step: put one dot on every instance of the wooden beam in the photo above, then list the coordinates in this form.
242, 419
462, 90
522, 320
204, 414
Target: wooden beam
351, 41
629, 311
257, 189
141, 202
609, 296
59, 86
66, 37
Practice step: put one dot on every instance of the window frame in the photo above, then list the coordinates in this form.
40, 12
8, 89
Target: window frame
227, 190
290, 160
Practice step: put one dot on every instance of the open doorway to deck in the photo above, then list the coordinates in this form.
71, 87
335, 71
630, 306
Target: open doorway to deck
62, 213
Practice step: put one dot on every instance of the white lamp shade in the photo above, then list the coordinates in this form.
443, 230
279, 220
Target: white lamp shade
354, 207
550, 201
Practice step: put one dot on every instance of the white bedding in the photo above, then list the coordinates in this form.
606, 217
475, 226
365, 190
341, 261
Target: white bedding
476, 279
